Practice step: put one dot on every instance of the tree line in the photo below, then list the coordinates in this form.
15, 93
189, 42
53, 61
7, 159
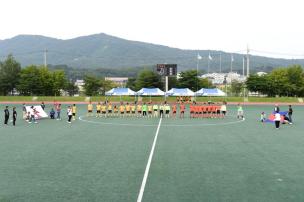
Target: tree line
279, 82
43, 81
32, 80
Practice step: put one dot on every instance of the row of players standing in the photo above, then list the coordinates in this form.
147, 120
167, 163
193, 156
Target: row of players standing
136, 109
155, 110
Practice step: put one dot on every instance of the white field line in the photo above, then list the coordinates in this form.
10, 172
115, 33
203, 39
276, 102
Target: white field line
81, 118
143, 184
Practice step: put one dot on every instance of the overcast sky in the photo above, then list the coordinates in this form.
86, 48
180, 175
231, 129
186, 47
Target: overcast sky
274, 26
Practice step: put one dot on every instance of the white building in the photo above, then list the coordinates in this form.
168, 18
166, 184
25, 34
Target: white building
119, 81
261, 73
79, 84
219, 78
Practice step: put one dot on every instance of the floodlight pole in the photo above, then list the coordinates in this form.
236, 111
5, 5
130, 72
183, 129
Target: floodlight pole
45, 52
197, 64
166, 81
248, 60
247, 67
244, 66
231, 63
220, 62
243, 78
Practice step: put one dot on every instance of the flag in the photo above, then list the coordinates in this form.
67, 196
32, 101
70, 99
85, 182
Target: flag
199, 57
210, 58
232, 59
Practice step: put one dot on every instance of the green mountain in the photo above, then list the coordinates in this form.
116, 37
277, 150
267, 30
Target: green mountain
108, 52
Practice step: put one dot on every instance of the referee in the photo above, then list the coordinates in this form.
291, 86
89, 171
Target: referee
6, 115
14, 116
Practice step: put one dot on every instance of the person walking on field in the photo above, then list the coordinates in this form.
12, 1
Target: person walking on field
32, 113
6, 115
58, 109
277, 119
240, 112
24, 113
14, 116
290, 111
42, 105
70, 114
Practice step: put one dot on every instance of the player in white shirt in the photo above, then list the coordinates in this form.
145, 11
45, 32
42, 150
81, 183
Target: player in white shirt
70, 114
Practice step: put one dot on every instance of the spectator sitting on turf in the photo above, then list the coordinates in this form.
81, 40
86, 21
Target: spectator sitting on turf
52, 113
286, 120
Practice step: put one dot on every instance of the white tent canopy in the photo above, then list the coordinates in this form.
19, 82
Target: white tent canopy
180, 92
120, 92
210, 92
150, 92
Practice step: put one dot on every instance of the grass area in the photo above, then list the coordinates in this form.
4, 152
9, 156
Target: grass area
273, 99
144, 99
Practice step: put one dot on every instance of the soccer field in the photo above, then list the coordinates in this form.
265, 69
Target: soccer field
106, 159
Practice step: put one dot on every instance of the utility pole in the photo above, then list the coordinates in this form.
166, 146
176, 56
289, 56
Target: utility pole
248, 60
220, 62
243, 66
45, 55
231, 62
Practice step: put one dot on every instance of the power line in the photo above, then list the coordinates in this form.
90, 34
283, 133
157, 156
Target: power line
278, 53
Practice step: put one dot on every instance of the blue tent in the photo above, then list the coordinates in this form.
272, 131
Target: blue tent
180, 92
120, 92
150, 92
210, 92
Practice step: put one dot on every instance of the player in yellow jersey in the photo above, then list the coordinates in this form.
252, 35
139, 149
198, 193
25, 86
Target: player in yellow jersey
139, 110
155, 109
109, 109
167, 110
90, 109
115, 110
150, 109
74, 111
104, 110
133, 109
98, 109
128, 109
122, 110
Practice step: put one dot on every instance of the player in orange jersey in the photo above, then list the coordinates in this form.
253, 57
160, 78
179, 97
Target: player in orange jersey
174, 110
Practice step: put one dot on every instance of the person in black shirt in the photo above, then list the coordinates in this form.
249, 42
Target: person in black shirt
276, 108
42, 105
14, 116
290, 113
6, 115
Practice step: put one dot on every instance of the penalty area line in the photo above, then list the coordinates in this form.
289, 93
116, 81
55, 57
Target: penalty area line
144, 181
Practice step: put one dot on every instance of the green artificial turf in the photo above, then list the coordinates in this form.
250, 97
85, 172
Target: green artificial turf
104, 159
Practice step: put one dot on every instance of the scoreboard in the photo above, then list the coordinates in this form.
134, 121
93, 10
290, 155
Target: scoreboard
166, 69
